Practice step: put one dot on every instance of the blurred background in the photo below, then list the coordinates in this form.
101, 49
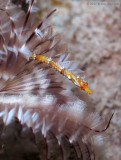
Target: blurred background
92, 31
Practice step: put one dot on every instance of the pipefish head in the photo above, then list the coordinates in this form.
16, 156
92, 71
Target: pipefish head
84, 86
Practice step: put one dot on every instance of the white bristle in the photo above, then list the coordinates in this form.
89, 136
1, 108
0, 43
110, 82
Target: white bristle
20, 114
11, 114
5, 115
